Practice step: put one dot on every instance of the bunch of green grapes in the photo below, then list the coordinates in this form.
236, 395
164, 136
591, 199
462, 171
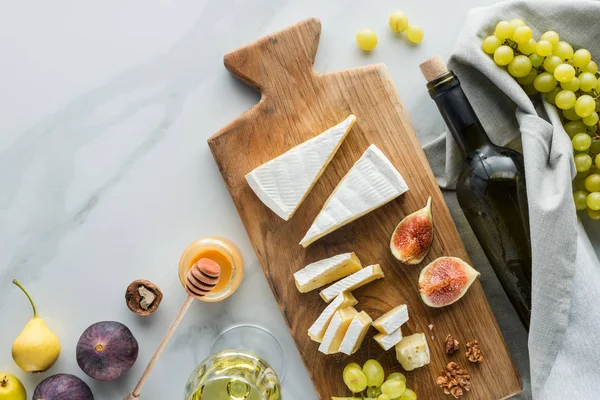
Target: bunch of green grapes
569, 80
371, 379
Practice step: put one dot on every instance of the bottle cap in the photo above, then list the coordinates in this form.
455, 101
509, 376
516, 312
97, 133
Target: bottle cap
433, 68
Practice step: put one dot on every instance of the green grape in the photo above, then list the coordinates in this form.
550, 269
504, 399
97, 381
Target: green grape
583, 162
585, 106
543, 48
355, 379
550, 36
551, 62
572, 85
574, 127
592, 119
581, 58
351, 365
587, 81
383, 396
580, 197
504, 30
565, 99
544, 82
593, 214
570, 114
598, 87
530, 90
592, 183
522, 34
516, 22
373, 392
563, 50
536, 59
414, 34
366, 39
396, 375
592, 67
503, 55
551, 95
582, 142
490, 44
396, 387
592, 201
374, 373
564, 73
595, 148
579, 181
529, 78
408, 395
398, 21
528, 47
520, 66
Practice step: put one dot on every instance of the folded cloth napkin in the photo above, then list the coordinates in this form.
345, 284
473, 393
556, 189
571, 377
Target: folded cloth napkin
564, 337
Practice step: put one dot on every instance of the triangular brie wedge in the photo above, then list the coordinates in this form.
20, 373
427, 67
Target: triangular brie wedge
371, 182
284, 182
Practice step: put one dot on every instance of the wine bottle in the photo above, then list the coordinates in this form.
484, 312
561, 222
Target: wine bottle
490, 188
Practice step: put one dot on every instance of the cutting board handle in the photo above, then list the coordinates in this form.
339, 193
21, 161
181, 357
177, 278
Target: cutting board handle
292, 50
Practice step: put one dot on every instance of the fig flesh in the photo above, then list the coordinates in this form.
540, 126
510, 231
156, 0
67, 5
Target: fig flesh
445, 280
413, 236
106, 350
63, 387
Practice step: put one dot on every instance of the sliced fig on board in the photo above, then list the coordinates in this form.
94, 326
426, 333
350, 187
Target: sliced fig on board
445, 280
413, 236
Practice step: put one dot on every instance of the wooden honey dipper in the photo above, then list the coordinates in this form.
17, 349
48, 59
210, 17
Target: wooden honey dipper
199, 281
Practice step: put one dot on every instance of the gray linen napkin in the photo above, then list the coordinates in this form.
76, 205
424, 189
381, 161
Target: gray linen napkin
564, 338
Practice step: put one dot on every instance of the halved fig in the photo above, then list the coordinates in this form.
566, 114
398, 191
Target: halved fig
445, 280
413, 236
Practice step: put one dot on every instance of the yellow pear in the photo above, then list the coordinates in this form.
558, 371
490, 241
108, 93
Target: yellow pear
11, 388
36, 348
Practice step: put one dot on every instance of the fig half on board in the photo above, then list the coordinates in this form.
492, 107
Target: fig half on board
413, 236
445, 280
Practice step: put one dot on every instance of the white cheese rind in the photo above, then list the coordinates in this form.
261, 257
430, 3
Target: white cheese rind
322, 272
318, 328
388, 341
413, 351
356, 333
354, 281
336, 330
392, 320
371, 182
283, 183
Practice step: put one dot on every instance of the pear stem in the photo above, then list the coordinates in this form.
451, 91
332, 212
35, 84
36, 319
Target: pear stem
16, 282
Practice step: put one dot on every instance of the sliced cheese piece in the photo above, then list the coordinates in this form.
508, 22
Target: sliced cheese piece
317, 330
392, 320
356, 333
284, 182
413, 351
336, 330
388, 341
320, 273
356, 280
371, 182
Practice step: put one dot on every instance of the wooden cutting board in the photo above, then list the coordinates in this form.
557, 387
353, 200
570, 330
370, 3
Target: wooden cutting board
296, 104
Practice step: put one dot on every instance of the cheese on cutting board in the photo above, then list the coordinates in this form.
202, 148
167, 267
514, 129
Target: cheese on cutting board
413, 351
388, 341
318, 328
356, 333
354, 281
392, 320
320, 273
371, 182
283, 183
336, 330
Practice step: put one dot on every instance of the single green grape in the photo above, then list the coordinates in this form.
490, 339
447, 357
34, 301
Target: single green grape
544, 82
394, 387
588, 81
563, 50
582, 142
595, 148
579, 181
591, 120
585, 106
528, 47
414, 33
581, 58
504, 30
551, 62
396, 375
592, 201
593, 214
580, 198
383, 396
355, 379
522, 34
564, 73
504, 55
592, 183
583, 162
530, 90
574, 127
374, 373
529, 78
408, 395
398, 21
572, 85
543, 48
570, 114
536, 59
551, 95
490, 44
597, 158
550, 36
592, 67
351, 365
520, 66
516, 22
565, 99
366, 39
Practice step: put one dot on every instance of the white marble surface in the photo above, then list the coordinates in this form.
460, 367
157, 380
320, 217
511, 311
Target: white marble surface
105, 175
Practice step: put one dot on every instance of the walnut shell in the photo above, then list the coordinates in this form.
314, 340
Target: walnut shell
139, 297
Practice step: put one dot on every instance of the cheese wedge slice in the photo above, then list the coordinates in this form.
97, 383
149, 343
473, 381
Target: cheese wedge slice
371, 182
388, 341
318, 328
320, 273
354, 281
356, 333
392, 320
336, 330
413, 351
284, 182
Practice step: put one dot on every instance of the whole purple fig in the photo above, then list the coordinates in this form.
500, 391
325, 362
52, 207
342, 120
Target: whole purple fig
106, 350
62, 387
